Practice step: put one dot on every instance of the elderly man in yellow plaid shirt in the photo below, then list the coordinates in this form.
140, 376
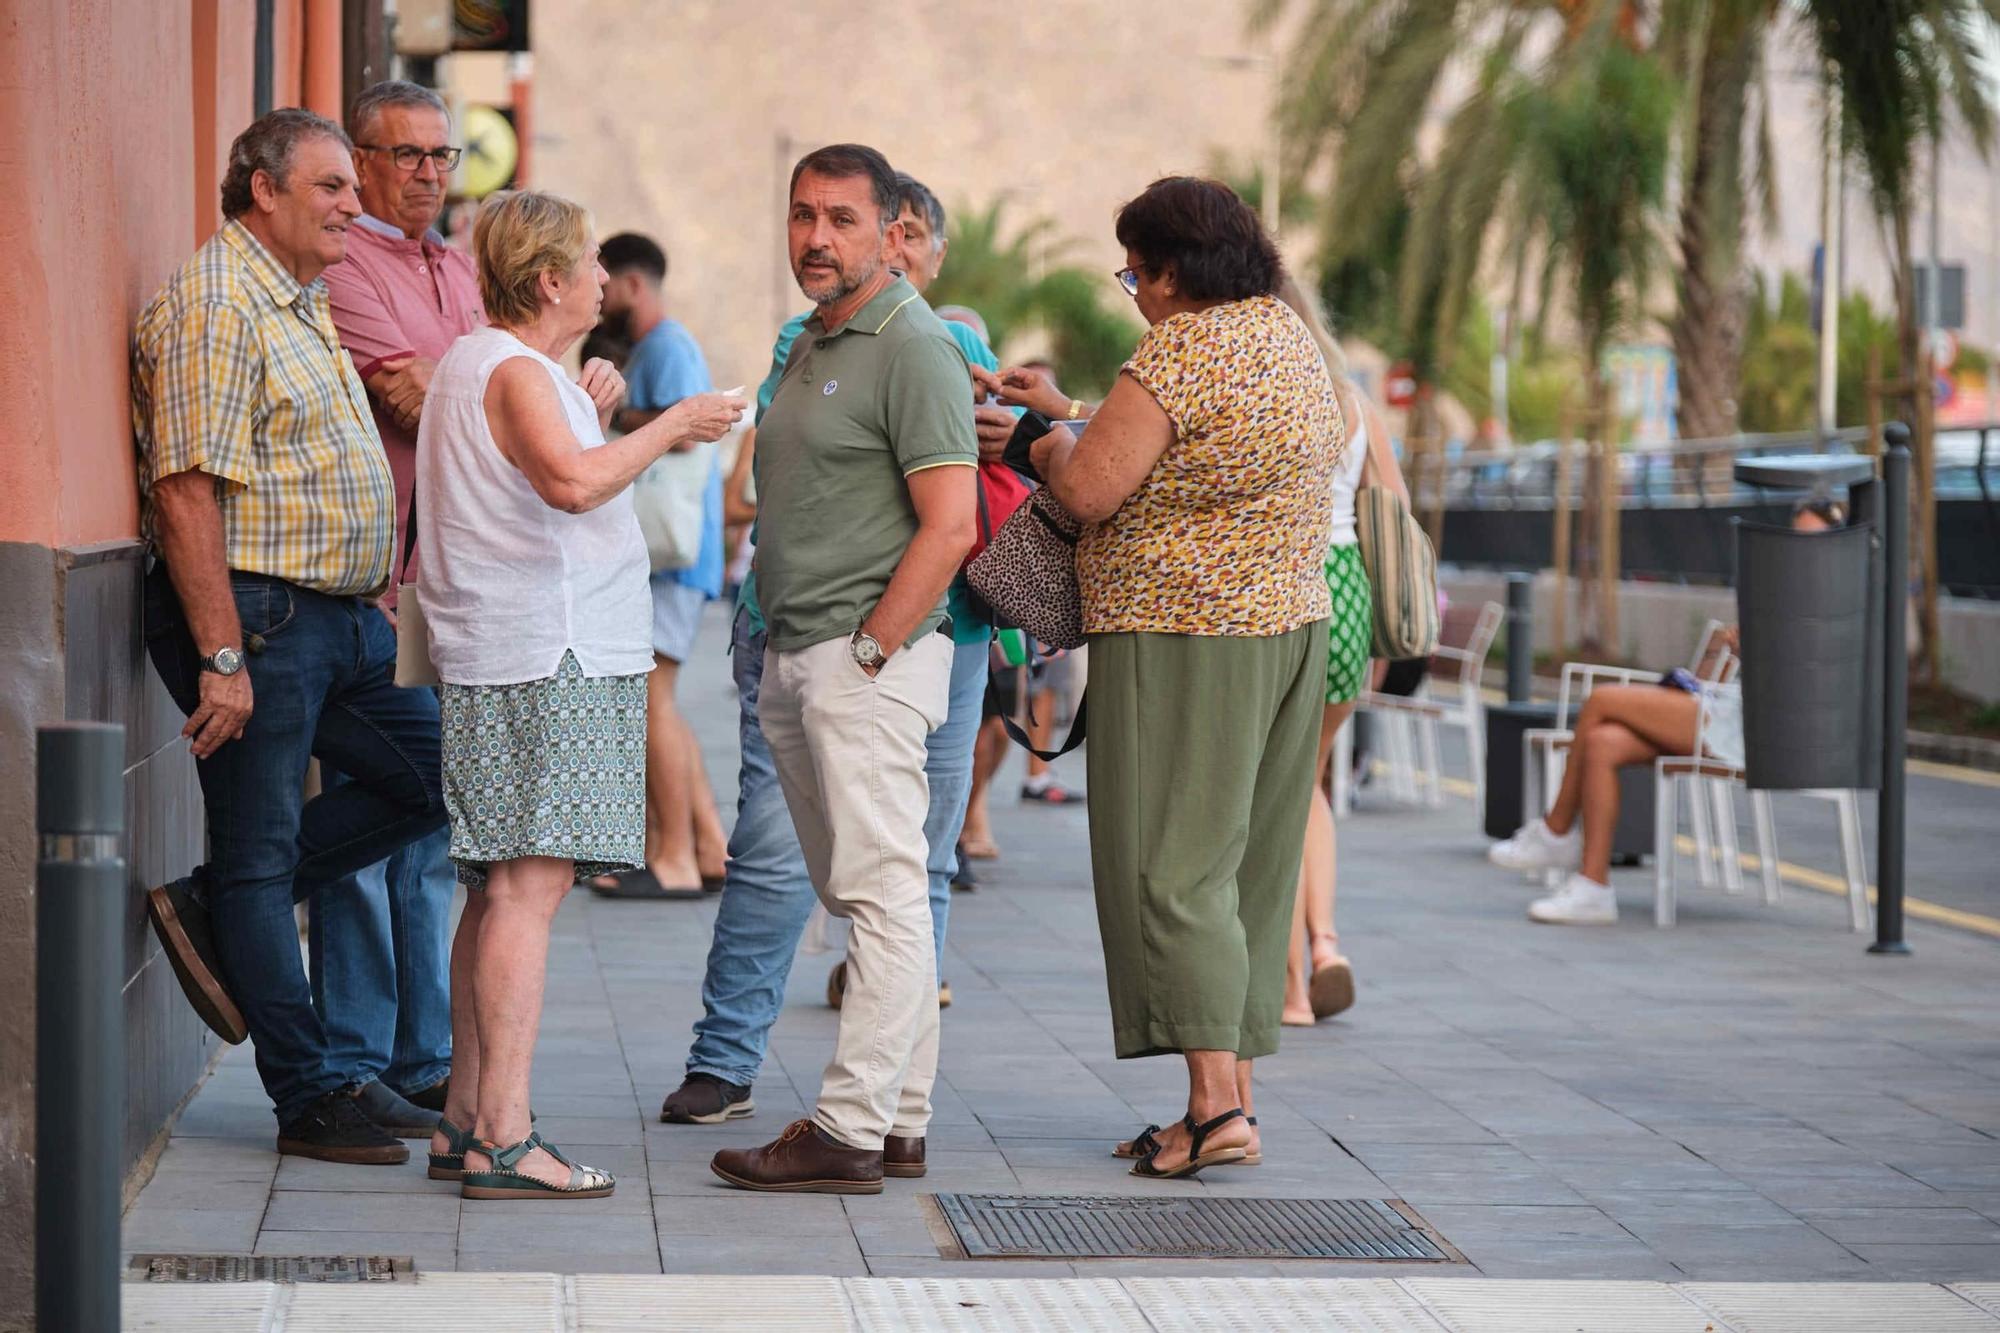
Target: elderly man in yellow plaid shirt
270, 508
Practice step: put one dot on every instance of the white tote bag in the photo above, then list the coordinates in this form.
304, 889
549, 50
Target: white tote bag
667, 498
413, 640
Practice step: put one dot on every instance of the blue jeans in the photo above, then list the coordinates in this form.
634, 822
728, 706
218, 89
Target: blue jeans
767, 895
322, 671
380, 952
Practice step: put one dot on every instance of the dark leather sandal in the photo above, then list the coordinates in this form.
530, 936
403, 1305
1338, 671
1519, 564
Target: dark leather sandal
502, 1181
1251, 1158
450, 1165
1197, 1160
1139, 1145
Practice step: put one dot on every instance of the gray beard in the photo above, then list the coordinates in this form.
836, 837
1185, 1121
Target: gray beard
840, 288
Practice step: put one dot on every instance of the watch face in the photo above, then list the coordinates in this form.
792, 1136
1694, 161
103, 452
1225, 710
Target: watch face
867, 651
227, 661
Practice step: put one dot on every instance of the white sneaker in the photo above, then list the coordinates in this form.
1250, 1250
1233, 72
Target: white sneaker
1536, 848
1579, 902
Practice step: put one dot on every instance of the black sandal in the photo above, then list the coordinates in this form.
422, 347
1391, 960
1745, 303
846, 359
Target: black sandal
1197, 1160
1142, 1144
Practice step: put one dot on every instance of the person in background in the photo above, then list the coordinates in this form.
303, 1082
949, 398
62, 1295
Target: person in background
380, 947
767, 896
270, 509
684, 838
1205, 487
871, 420
1328, 988
535, 591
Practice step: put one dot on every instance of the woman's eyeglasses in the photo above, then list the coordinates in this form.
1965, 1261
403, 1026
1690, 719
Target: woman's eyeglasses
408, 156
1129, 280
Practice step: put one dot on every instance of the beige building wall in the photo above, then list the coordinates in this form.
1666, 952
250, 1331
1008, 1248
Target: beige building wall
683, 120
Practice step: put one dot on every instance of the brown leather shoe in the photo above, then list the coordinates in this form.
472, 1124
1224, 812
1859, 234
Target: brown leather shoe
182, 924
805, 1159
903, 1157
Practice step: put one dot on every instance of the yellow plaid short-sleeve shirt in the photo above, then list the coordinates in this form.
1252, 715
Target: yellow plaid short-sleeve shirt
237, 371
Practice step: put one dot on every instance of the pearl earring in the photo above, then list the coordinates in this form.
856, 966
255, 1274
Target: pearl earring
558, 300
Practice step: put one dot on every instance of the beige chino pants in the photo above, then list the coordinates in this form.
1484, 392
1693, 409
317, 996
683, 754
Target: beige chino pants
849, 751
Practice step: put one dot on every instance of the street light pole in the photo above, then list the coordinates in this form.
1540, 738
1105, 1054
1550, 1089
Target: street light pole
1830, 217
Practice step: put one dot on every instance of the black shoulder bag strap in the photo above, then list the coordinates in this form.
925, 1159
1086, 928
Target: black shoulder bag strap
1019, 735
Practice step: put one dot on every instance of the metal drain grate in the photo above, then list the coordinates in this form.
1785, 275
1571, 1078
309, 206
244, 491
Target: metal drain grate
270, 1268
998, 1226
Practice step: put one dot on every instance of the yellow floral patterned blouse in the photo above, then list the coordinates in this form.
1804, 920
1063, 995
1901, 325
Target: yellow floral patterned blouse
1228, 534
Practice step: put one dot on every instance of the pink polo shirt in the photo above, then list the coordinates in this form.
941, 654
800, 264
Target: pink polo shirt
395, 297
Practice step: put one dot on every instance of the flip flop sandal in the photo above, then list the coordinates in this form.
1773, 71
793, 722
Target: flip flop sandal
982, 849
450, 1165
640, 884
1053, 794
504, 1182
1197, 1160
1142, 1144
1331, 989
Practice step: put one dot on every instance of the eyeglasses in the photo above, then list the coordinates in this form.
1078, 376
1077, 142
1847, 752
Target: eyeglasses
1129, 280
408, 156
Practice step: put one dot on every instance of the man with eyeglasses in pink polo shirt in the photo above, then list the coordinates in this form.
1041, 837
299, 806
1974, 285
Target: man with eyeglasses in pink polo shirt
380, 967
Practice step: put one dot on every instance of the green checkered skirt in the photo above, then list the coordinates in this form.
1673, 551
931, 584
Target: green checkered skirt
552, 767
1352, 629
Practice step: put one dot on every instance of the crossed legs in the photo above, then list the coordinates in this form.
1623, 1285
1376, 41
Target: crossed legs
1619, 725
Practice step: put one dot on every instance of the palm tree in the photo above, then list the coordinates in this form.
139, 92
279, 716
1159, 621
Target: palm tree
1716, 47
1901, 65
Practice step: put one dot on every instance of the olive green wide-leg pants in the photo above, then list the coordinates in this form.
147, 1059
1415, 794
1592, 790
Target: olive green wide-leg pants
1201, 771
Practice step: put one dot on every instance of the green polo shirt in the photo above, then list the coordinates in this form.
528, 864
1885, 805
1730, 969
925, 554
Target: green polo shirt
856, 412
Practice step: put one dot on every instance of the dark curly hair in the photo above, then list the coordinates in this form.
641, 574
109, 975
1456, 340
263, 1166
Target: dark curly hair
1209, 237
267, 146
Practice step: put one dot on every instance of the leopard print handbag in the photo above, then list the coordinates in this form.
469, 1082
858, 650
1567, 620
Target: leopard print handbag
1027, 573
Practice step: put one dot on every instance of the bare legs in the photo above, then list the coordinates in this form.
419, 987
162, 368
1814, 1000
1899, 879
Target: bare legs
988, 753
684, 838
499, 963
1312, 914
1217, 1082
1619, 725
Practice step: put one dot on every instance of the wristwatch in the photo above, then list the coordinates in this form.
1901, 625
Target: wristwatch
865, 651
1075, 410
223, 661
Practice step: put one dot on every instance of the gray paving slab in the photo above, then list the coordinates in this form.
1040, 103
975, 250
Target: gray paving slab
1748, 1096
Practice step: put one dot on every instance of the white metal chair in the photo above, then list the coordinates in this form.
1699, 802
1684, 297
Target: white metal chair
1409, 725
1721, 781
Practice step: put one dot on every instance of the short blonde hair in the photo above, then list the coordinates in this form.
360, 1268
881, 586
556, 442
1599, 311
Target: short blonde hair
519, 236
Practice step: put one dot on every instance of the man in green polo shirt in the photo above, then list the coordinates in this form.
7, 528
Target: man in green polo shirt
867, 507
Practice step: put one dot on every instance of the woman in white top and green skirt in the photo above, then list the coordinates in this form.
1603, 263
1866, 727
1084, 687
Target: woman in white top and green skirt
1328, 987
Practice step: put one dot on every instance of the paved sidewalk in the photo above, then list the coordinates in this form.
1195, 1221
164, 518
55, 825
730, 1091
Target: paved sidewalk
1746, 1097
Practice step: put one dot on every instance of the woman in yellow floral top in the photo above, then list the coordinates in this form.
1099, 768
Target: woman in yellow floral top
1205, 484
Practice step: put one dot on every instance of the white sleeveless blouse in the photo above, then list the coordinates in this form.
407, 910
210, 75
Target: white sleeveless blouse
1346, 482
508, 583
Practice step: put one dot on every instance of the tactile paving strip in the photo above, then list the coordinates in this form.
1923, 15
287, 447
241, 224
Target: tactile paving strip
1838, 1307
1229, 1305
242, 1307
1481, 1305
1025, 1305
487, 1302
1000, 1226
697, 1304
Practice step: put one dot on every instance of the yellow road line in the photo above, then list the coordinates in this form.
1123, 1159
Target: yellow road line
1808, 878
1971, 777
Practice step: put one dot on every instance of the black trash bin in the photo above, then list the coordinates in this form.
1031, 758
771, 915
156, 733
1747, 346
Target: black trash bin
1809, 611
1505, 726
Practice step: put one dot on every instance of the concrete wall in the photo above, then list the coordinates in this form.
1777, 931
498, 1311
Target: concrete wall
684, 121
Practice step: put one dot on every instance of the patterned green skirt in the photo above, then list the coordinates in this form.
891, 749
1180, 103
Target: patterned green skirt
551, 767
1352, 628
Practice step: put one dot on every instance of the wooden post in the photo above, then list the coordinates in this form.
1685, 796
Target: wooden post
1872, 392
1610, 494
1560, 520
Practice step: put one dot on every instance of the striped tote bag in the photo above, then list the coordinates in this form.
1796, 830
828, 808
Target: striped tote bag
1402, 574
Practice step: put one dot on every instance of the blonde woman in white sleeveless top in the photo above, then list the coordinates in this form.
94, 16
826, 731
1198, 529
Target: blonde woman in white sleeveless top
534, 588
1327, 987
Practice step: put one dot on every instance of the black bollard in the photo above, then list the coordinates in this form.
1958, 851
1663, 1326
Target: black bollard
1889, 827
1520, 637
79, 1023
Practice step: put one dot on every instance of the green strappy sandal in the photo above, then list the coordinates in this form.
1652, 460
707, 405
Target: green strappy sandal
450, 1165
1197, 1160
504, 1182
